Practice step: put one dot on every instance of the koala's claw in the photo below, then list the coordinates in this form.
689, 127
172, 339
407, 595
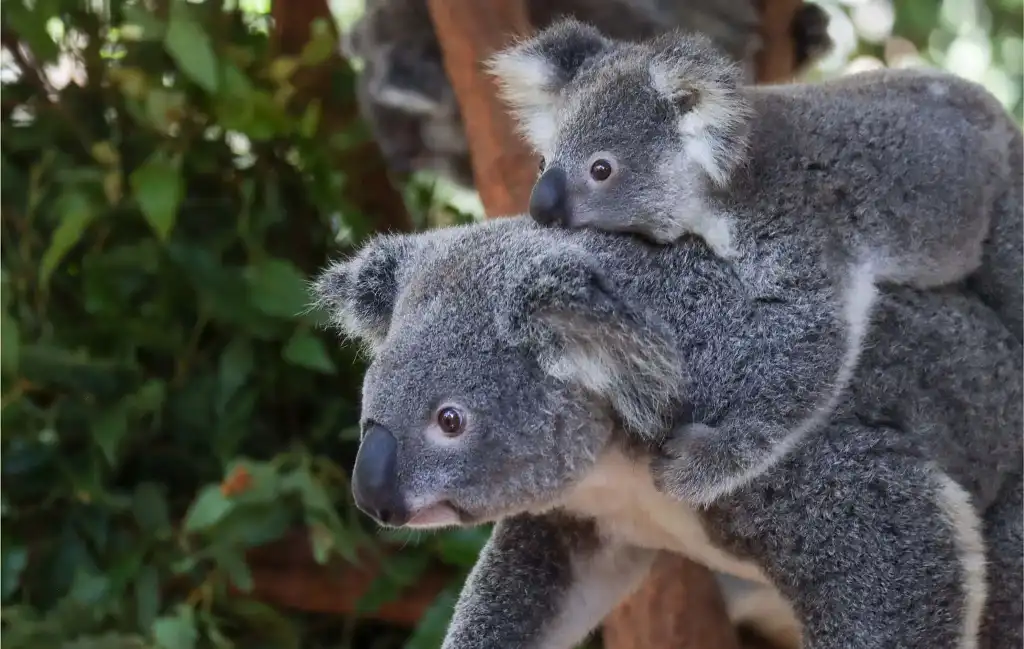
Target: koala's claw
685, 467
699, 464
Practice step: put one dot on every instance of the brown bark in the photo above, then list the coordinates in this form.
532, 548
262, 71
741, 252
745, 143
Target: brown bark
470, 31
286, 574
679, 607
777, 59
368, 186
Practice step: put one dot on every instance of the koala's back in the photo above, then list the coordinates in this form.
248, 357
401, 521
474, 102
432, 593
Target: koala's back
904, 167
939, 365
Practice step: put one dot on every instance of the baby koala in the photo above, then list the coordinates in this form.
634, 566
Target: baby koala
812, 193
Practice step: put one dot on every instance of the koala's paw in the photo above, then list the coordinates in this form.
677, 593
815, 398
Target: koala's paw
698, 464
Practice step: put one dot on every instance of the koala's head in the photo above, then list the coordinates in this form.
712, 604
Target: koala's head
628, 133
404, 92
502, 361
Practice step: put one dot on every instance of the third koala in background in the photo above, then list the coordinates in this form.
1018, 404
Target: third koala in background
815, 193
406, 97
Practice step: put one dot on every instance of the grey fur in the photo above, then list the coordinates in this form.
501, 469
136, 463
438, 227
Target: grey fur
407, 99
865, 528
815, 193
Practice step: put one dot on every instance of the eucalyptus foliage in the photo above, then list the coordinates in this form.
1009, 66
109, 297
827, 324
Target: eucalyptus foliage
169, 400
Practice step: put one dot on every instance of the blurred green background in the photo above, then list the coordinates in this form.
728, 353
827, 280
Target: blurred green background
168, 401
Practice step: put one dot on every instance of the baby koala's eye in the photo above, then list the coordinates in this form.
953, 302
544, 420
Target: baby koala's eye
600, 170
450, 420
542, 163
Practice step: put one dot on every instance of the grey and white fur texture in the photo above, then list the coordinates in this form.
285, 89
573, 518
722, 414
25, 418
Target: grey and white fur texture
815, 194
519, 374
406, 98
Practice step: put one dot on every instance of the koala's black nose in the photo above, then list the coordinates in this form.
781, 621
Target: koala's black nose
549, 199
375, 478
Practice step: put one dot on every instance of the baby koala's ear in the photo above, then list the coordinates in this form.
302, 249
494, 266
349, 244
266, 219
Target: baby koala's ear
359, 293
705, 87
560, 305
532, 72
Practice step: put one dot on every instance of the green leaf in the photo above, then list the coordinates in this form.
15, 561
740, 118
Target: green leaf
274, 628
191, 49
235, 368
430, 630
158, 189
89, 587
310, 119
321, 45
151, 27
149, 398
15, 560
208, 508
9, 344
150, 509
277, 288
76, 214
232, 562
307, 350
109, 430
322, 541
461, 547
396, 575
255, 524
147, 596
30, 25
177, 631
164, 108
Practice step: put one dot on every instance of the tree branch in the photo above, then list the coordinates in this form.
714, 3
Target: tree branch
469, 31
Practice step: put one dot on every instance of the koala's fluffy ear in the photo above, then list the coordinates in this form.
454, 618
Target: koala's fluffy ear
705, 86
359, 293
532, 72
560, 305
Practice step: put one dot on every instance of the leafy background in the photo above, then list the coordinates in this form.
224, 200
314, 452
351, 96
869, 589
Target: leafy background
168, 401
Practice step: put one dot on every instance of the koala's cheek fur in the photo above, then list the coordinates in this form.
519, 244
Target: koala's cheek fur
511, 456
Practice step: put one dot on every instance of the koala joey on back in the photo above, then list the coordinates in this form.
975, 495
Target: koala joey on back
523, 375
815, 193
407, 99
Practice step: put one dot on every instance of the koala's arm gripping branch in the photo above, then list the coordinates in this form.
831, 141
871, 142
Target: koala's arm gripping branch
469, 32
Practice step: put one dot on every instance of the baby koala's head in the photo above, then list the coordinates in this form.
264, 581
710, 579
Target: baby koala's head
631, 135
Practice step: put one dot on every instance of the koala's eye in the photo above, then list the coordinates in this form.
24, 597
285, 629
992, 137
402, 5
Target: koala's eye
542, 163
600, 170
450, 420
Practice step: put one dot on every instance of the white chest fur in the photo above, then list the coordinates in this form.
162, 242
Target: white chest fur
621, 496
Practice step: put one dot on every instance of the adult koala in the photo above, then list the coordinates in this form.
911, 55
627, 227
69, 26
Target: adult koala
524, 375
406, 97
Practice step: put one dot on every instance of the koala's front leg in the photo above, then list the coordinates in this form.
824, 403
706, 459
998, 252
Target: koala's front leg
699, 464
543, 582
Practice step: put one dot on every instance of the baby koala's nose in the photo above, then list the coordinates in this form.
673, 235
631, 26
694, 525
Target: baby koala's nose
548, 201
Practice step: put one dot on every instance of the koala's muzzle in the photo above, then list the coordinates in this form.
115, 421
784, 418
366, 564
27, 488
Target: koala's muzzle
375, 478
549, 201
